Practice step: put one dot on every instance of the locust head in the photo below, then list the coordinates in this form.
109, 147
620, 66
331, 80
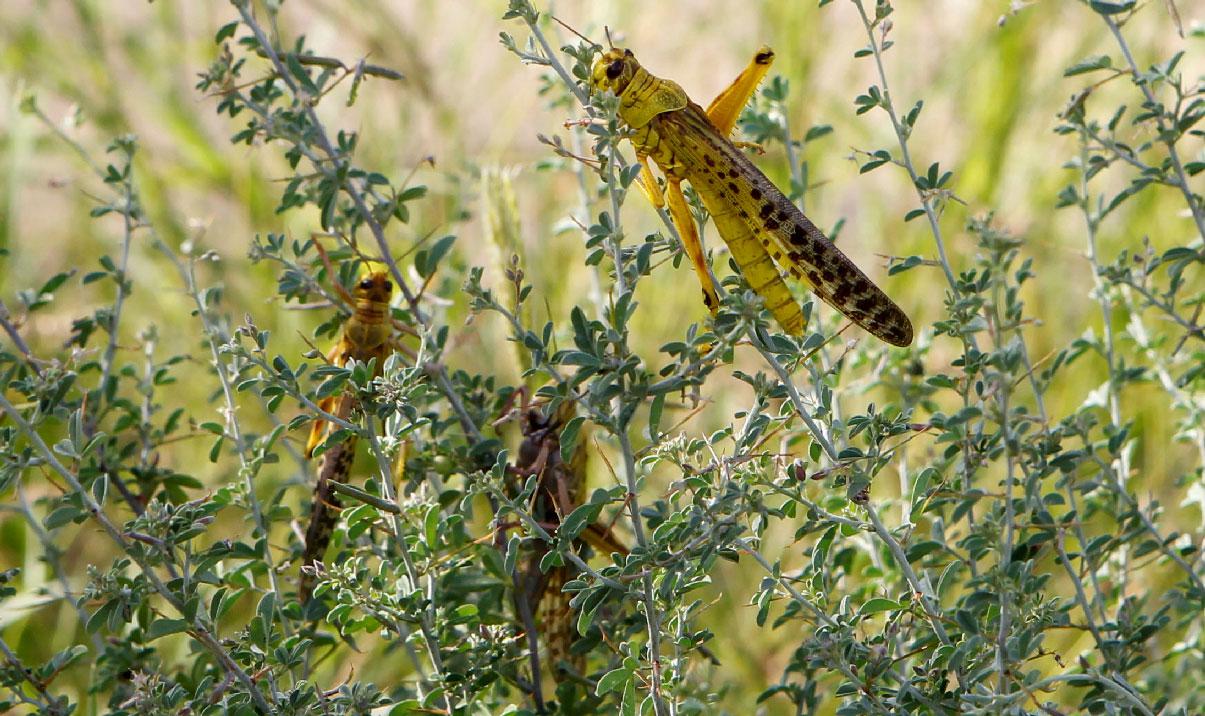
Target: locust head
375, 288
614, 70
368, 327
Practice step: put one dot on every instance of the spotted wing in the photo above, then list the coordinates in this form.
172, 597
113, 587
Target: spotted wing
758, 222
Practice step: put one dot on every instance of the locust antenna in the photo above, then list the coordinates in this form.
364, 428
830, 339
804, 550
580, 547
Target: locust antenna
609, 42
590, 42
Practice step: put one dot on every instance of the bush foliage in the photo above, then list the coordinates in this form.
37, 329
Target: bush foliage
977, 523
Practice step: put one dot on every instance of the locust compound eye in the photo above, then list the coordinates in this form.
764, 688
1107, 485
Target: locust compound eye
366, 284
389, 285
614, 70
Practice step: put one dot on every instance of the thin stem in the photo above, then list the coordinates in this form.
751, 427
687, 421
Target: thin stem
46, 705
332, 167
67, 139
216, 338
651, 613
52, 555
427, 617
554, 63
902, 138
922, 589
1091, 677
1193, 329
1190, 403
1132, 502
1003, 663
926, 593
128, 198
1119, 470
16, 338
652, 616
821, 437
1080, 597
200, 631
822, 617
1194, 205
1106, 312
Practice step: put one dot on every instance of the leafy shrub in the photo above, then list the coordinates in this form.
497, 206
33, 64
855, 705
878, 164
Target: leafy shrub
952, 527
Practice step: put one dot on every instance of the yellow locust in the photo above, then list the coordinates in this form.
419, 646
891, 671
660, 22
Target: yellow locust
366, 335
760, 225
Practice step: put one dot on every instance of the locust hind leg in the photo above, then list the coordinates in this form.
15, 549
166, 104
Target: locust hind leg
318, 429
332, 274
684, 223
324, 513
689, 233
726, 108
648, 182
328, 404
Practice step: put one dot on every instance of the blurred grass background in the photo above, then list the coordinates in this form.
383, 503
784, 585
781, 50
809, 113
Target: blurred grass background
992, 83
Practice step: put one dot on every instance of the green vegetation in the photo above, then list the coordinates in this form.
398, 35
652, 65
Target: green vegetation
1005, 517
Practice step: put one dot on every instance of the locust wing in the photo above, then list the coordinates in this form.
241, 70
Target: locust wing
762, 227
